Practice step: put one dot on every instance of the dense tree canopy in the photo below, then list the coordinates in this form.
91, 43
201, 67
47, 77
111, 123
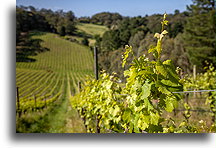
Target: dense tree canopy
29, 18
138, 32
200, 33
106, 18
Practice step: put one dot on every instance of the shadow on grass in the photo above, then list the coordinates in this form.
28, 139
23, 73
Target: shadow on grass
21, 58
37, 33
26, 46
82, 34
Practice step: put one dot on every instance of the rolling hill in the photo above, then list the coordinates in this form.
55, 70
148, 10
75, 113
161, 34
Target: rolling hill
47, 84
91, 29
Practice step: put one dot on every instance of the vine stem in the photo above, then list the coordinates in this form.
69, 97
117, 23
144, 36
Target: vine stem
136, 60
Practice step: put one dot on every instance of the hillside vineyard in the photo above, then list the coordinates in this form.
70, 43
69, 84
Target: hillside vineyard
41, 84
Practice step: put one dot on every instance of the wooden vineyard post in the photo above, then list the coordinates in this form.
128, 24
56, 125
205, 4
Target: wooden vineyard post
96, 77
96, 63
174, 112
45, 102
194, 72
35, 101
194, 79
97, 124
18, 102
79, 86
83, 118
212, 106
186, 97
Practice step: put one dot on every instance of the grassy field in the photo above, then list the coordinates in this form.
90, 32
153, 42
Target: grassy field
92, 29
88, 30
46, 85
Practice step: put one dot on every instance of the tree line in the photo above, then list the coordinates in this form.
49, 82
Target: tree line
191, 39
45, 20
30, 18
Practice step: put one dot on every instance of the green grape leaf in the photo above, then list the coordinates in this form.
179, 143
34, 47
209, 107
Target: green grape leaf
143, 122
186, 106
126, 115
116, 110
172, 75
154, 117
106, 122
158, 47
135, 86
152, 49
169, 83
135, 122
144, 125
126, 54
157, 35
117, 119
171, 103
111, 110
165, 22
126, 73
108, 84
164, 32
146, 89
131, 127
161, 69
163, 89
148, 105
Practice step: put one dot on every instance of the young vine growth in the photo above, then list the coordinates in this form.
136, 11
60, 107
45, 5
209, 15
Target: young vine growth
136, 106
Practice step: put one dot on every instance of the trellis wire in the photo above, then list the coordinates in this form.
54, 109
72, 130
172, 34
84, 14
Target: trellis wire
193, 110
193, 91
180, 92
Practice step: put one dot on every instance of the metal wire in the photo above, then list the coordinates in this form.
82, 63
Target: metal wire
194, 110
176, 92
193, 91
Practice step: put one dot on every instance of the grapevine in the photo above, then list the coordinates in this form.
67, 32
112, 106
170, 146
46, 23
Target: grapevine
105, 105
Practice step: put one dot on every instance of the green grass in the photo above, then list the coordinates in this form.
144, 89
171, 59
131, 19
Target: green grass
64, 56
89, 30
52, 80
92, 29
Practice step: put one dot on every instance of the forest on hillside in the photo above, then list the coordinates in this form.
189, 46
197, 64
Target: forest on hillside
191, 38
